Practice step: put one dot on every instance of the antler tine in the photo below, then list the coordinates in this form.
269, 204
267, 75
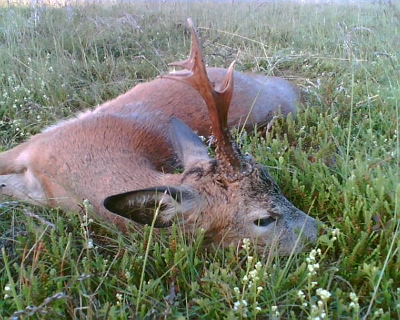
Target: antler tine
196, 51
217, 98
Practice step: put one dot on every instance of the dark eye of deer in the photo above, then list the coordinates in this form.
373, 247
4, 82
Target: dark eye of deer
264, 222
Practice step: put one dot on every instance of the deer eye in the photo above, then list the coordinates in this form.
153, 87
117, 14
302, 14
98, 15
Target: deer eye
264, 222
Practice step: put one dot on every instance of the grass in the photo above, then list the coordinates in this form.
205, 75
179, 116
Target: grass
338, 160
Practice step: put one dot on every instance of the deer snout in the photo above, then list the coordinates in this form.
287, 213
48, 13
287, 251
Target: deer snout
305, 230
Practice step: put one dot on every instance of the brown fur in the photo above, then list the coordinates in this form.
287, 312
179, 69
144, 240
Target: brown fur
254, 101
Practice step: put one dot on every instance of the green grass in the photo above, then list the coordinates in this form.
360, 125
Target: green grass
338, 160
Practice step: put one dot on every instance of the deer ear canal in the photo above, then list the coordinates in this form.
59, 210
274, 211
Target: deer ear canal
138, 207
168, 202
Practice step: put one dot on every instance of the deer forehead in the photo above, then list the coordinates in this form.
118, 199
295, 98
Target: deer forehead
252, 195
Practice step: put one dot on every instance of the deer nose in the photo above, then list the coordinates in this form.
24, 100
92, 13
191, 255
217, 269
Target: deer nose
314, 227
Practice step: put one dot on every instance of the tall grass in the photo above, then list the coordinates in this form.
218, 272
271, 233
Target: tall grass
338, 160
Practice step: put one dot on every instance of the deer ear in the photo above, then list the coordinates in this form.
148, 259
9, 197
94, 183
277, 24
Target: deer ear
188, 146
142, 205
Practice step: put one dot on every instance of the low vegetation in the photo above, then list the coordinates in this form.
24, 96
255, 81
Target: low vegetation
337, 160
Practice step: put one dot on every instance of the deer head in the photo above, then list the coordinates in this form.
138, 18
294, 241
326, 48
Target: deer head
231, 197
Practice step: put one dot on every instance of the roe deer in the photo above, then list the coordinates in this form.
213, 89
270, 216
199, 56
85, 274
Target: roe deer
103, 156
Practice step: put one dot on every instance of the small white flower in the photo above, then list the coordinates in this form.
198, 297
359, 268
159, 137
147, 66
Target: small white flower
378, 312
336, 232
246, 244
353, 305
90, 244
275, 309
241, 304
119, 297
324, 294
312, 268
353, 297
253, 274
7, 291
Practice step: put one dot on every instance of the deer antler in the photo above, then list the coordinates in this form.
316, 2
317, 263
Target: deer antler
217, 98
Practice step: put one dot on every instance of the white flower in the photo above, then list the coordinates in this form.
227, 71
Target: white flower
312, 268
253, 274
301, 295
354, 301
90, 244
353, 297
7, 291
275, 309
119, 297
241, 304
378, 312
354, 306
335, 233
324, 294
246, 244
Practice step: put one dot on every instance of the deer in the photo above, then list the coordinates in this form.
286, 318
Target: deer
125, 164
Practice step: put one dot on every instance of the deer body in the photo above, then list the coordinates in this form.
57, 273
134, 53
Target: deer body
122, 158
254, 101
